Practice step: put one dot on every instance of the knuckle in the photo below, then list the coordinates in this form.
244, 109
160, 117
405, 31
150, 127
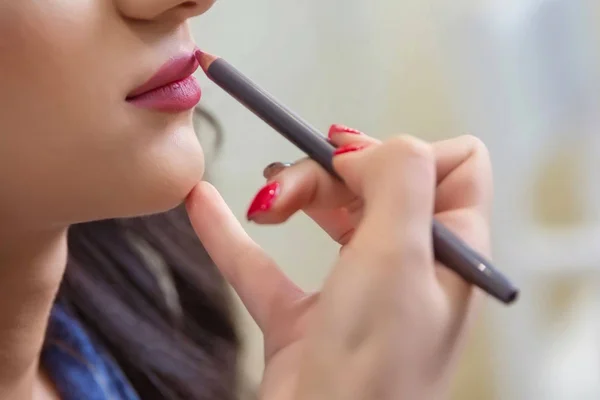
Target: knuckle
413, 148
417, 153
476, 145
481, 158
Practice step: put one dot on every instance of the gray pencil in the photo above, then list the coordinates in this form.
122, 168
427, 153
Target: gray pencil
449, 249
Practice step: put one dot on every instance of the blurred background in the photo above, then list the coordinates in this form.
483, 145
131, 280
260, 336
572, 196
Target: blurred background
523, 75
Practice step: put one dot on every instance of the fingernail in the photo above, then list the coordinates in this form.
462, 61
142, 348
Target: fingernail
347, 149
273, 169
263, 200
338, 128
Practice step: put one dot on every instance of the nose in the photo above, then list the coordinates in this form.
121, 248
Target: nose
149, 10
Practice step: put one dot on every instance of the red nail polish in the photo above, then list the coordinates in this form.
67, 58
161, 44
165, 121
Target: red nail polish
263, 200
337, 128
347, 149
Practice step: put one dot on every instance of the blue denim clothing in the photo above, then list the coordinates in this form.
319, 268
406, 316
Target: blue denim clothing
77, 365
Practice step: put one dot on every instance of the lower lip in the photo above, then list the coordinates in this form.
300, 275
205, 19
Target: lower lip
175, 97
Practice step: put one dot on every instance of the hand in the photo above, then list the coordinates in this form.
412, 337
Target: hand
388, 322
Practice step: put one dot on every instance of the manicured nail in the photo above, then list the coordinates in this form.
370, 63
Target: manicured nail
273, 169
263, 200
348, 149
337, 128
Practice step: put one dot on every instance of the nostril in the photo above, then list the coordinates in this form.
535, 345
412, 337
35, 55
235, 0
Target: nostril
189, 4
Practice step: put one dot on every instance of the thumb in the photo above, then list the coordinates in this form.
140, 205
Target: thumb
255, 277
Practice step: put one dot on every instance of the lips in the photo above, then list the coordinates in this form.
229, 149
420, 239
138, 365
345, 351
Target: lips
171, 89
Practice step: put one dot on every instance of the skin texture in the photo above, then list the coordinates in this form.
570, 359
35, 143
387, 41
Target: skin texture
388, 323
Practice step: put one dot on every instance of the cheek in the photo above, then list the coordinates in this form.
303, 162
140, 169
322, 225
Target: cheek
47, 54
42, 49
43, 62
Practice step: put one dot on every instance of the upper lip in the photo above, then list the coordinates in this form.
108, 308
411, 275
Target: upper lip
174, 70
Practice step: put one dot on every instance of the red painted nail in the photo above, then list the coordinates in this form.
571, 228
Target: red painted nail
337, 128
263, 200
347, 149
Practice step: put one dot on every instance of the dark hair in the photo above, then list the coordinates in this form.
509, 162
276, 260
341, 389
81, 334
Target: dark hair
147, 291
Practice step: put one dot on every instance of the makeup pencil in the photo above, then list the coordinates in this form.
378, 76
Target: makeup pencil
449, 249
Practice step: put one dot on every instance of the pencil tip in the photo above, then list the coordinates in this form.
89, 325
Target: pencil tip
204, 59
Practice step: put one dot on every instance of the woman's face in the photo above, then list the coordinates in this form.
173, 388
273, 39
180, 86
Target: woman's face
74, 145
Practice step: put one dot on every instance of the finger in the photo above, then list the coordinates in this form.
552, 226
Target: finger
338, 223
340, 135
463, 168
302, 186
255, 277
464, 175
396, 181
308, 187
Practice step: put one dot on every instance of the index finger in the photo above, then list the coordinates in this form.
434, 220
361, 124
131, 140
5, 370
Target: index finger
464, 174
255, 277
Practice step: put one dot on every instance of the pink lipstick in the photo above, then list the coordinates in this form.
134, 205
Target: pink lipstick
172, 89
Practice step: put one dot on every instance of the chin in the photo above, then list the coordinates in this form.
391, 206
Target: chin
155, 178
159, 188
136, 176
166, 184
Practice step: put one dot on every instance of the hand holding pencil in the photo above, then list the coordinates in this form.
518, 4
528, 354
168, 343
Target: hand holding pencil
449, 249
389, 321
